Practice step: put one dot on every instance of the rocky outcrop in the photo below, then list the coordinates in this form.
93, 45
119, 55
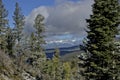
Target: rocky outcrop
27, 76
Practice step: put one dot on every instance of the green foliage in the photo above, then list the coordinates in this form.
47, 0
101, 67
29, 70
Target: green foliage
3, 25
18, 18
67, 71
102, 30
56, 68
36, 39
17, 37
18, 22
25, 55
37, 57
32, 42
10, 41
53, 68
39, 26
116, 61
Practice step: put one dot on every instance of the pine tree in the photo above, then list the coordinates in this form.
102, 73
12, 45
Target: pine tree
53, 68
18, 22
39, 26
37, 56
36, 39
3, 25
67, 71
102, 26
18, 18
56, 66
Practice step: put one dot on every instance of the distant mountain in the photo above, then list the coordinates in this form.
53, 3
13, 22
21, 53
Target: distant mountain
62, 43
66, 46
63, 50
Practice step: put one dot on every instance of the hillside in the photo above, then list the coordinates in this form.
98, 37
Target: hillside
8, 70
71, 56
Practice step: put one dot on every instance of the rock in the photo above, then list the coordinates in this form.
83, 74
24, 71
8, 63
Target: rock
27, 76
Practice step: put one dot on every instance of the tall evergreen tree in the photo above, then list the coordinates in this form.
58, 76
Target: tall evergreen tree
37, 56
39, 26
67, 71
18, 22
102, 27
56, 66
18, 18
37, 39
3, 25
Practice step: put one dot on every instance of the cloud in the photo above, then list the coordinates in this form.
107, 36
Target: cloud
67, 16
31, 17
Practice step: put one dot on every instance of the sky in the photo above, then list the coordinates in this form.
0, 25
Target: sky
26, 5
64, 19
